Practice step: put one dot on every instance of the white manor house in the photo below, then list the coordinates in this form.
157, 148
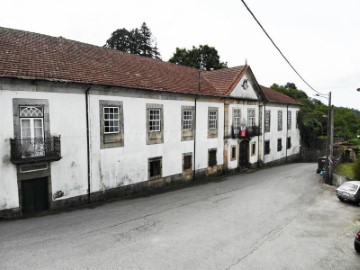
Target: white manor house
82, 123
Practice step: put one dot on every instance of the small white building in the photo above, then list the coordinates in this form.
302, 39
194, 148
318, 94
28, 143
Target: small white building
81, 123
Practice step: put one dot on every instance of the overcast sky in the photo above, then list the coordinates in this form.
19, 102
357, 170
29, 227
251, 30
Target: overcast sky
321, 38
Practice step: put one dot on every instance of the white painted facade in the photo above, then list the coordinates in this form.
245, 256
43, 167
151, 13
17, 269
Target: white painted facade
275, 134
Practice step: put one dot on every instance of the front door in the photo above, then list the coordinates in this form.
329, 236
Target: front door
34, 195
244, 154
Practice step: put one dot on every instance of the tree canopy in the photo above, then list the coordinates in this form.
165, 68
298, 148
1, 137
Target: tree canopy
313, 118
204, 57
136, 41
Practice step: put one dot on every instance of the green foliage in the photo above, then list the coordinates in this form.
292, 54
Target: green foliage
313, 118
357, 168
204, 55
347, 169
136, 41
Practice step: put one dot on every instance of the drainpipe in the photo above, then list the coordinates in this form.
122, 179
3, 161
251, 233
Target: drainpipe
87, 94
287, 130
199, 88
258, 144
194, 174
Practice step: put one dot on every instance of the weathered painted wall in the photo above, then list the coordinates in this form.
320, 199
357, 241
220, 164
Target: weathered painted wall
240, 92
274, 134
67, 118
119, 166
8, 180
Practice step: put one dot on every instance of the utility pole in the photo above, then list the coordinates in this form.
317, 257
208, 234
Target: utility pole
329, 143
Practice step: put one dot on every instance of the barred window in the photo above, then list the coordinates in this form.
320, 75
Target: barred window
187, 120
280, 121
111, 120
212, 119
155, 167
187, 161
154, 120
267, 121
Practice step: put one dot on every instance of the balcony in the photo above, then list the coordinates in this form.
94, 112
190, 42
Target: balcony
247, 133
35, 150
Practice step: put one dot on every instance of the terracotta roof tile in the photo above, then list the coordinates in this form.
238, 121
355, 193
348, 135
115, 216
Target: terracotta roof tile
35, 56
277, 97
224, 80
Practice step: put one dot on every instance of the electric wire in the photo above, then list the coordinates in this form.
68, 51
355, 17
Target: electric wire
272, 41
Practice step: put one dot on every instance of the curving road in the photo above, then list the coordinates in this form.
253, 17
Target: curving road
276, 218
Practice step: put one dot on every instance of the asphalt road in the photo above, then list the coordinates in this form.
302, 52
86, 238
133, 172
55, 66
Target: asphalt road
277, 218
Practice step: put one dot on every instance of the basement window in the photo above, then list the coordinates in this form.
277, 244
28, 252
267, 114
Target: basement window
187, 161
212, 158
267, 147
155, 167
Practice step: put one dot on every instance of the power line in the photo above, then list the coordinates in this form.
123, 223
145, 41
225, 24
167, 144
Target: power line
272, 41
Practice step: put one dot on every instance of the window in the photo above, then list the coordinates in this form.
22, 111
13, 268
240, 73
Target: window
279, 145
288, 143
213, 122
111, 124
236, 120
253, 149
233, 152
267, 147
154, 120
280, 121
212, 157
187, 161
251, 117
111, 120
289, 120
155, 166
267, 121
187, 122
154, 123
32, 130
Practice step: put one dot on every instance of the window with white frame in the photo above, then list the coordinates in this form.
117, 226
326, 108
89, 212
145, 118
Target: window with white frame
154, 120
280, 120
297, 119
289, 120
187, 120
111, 123
111, 120
237, 120
267, 121
212, 119
32, 130
251, 117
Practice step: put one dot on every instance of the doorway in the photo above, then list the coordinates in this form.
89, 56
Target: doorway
244, 154
35, 195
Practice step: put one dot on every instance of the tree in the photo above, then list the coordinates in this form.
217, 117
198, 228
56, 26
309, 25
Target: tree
313, 118
204, 57
136, 41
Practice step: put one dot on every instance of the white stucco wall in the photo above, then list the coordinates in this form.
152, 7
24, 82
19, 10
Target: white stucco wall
243, 106
274, 134
9, 197
67, 118
240, 92
114, 167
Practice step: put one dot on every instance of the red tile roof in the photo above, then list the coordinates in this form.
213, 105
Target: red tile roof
273, 96
224, 80
35, 56
30, 55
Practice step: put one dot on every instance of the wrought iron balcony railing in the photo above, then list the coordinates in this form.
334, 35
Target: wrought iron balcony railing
35, 150
247, 132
